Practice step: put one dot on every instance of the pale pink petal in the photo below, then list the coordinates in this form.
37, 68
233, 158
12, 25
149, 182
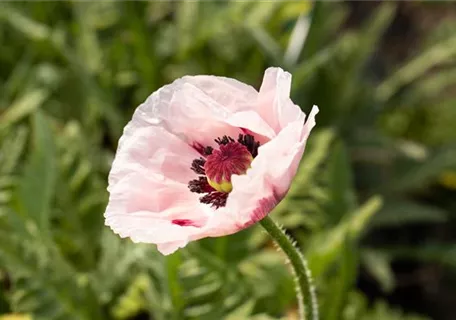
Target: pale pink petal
151, 192
271, 171
152, 211
197, 114
240, 99
141, 228
152, 148
230, 93
274, 103
141, 201
171, 247
252, 121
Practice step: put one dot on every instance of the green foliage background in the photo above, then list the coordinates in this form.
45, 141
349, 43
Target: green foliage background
71, 74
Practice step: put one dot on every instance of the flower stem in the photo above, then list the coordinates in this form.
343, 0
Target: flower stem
307, 299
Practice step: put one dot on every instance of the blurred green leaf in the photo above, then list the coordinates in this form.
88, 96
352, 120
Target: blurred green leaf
175, 291
132, 302
381, 311
89, 49
11, 148
340, 182
399, 213
419, 173
325, 246
271, 49
378, 265
436, 55
444, 254
243, 312
297, 40
36, 187
22, 23
22, 107
341, 282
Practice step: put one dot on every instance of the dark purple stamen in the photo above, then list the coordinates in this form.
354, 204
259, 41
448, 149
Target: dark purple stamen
205, 151
215, 199
198, 166
224, 140
250, 143
200, 185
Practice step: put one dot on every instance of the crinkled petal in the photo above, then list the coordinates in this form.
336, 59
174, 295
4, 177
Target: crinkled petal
145, 229
148, 209
274, 103
194, 109
230, 93
271, 172
152, 148
149, 192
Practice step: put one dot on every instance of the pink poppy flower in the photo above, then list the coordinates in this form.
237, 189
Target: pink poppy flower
205, 156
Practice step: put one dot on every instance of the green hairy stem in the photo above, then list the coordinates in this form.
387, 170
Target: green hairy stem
305, 291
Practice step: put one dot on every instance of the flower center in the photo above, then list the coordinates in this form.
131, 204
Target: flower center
231, 158
218, 165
